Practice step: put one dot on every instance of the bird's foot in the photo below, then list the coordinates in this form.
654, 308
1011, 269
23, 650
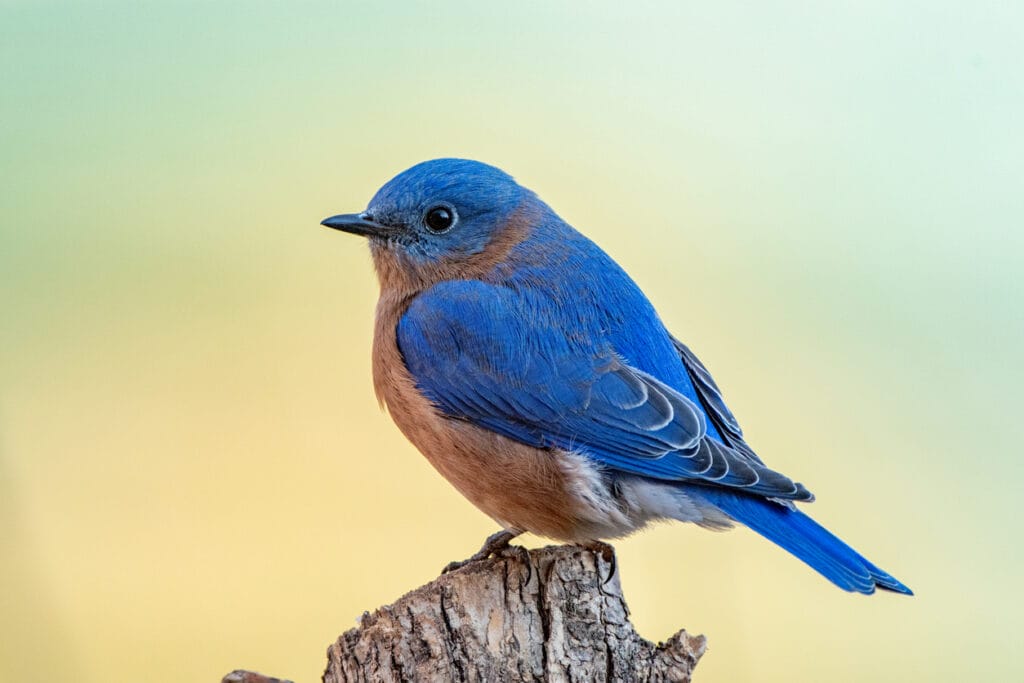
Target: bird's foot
496, 544
607, 552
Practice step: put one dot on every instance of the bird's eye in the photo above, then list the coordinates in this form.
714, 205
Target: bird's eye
440, 219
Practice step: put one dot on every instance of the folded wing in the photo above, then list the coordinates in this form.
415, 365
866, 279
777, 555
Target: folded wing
489, 355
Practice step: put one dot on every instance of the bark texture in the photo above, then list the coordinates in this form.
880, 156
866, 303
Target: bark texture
243, 676
553, 614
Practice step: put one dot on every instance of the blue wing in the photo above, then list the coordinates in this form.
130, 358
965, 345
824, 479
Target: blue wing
710, 397
511, 361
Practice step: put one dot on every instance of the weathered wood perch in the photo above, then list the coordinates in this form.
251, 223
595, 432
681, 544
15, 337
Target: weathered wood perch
555, 613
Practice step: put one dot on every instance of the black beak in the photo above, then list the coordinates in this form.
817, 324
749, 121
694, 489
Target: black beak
358, 224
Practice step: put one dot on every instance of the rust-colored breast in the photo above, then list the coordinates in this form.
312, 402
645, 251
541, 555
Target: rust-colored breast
518, 486
550, 493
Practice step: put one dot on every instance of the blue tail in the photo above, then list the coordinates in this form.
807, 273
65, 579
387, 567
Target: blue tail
802, 536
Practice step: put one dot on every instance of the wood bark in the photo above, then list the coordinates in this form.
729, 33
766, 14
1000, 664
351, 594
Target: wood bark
553, 614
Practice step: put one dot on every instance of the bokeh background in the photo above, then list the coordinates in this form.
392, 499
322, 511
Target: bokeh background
825, 200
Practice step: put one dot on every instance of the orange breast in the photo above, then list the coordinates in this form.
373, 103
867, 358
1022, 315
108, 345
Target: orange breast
518, 486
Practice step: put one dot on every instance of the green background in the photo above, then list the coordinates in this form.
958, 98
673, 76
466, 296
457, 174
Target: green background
825, 200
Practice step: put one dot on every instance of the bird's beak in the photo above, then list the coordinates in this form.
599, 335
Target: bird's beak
358, 224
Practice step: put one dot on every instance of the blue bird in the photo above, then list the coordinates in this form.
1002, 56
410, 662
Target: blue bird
536, 377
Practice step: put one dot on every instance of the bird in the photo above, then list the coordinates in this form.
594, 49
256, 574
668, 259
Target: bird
536, 377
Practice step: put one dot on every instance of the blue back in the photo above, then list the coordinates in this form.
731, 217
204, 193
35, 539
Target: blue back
591, 297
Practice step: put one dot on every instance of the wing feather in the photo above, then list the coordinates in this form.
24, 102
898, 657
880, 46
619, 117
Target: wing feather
481, 354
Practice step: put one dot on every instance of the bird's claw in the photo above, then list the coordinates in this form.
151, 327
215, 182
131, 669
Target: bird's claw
459, 564
607, 552
496, 544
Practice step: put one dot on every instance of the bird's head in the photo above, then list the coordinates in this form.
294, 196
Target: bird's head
439, 214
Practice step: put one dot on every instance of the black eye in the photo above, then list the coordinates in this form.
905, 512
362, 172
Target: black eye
440, 218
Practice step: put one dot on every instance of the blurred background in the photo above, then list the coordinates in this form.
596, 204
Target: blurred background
826, 203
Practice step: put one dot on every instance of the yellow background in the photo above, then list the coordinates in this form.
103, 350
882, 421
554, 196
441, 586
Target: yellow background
825, 200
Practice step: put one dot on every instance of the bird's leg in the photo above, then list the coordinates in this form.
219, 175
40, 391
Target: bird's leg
607, 552
495, 544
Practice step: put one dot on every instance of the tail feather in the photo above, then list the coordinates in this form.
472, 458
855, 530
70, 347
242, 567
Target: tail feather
794, 531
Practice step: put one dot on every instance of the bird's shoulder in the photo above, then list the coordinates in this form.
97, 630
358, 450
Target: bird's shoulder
556, 294
463, 324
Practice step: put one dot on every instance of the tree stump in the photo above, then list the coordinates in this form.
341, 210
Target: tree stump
552, 614
555, 614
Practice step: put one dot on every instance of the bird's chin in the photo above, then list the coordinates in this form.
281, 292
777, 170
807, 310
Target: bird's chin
381, 244
386, 250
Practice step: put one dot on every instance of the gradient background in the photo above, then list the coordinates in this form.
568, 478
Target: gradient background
826, 203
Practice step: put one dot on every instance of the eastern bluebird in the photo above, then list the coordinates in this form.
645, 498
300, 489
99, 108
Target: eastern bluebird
537, 378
